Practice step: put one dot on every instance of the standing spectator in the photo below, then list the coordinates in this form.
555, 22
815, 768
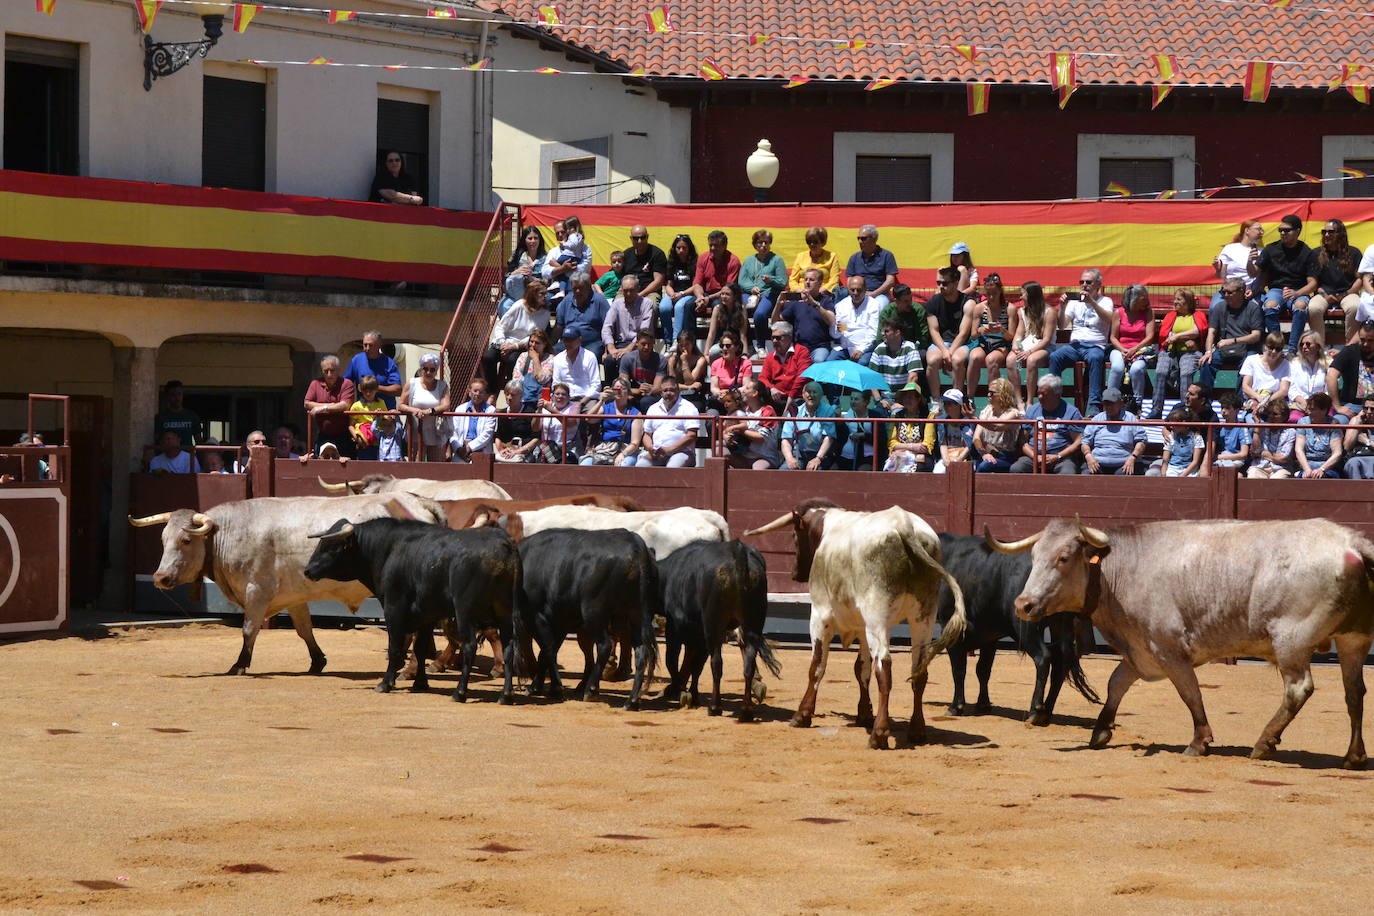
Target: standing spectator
781, 375
1133, 341
1318, 451
1234, 260
174, 416
608, 284
243, 464
1183, 447
1306, 375
945, 321
1358, 444
1272, 445
1062, 440
644, 368
730, 370
584, 313
898, 361
426, 398
670, 431
1336, 266
1181, 334
393, 184
998, 445
534, 370
617, 430
363, 426
1350, 377
818, 257
961, 259
1089, 314
910, 443
1264, 376
1233, 333
471, 435
728, 315
955, 440
986, 325
753, 442
512, 333
1233, 441
909, 315
811, 313
171, 458
1113, 449
1034, 323
579, 369
807, 443
856, 322
1286, 273
762, 278
716, 272
687, 366
630, 314
372, 361
557, 432
647, 264
325, 402
525, 262
874, 263
678, 302
572, 255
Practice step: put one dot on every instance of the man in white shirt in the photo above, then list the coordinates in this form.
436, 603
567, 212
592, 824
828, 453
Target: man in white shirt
670, 430
171, 458
1365, 287
468, 435
578, 368
856, 323
1089, 314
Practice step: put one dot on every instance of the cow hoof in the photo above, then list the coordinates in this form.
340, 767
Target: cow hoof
759, 690
956, 709
1100, 738
459, 696
878, 740
420, 687
1259, 752
498, 671
744, 715
631, 705
714, 711
383, 688
982, 707
1200, 750
1355, 763
800, 721
237, 670
1038, 719
317, 666
505, 699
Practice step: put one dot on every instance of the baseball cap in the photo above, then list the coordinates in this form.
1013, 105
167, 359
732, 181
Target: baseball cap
1113, 395
959, 248
953, 394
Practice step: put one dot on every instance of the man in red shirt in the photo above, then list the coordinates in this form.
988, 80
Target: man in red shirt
782, 369
719, 268
325, 402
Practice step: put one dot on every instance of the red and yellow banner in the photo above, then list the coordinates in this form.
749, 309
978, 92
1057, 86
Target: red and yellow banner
243, 15
550, 14
1063, 70
660, 19
978, 98
1258, 75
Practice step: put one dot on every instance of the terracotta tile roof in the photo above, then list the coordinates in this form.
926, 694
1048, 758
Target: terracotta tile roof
1211, 39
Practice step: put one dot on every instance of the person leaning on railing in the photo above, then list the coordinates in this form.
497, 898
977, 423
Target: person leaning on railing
1063, 439
1272, 446
1318, 451
1358, 443
997, 445
616, 434
426, 398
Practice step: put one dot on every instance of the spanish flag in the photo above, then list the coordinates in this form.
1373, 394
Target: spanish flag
660, 19
548, 71
1359, 92
482, 64
45, 6
1252, 182
1158, 93
1280, 4
445, 12
758, 38
1167, 195
1066, 93
967, 52
395, 67
147, 12
638, 71
978, 98
1347, 71
878, 84
1209, 193
550, 14
336, 16
1311, 179
1258, 75
1352, 173
855, 44
1063, 70
1167, 65
796, 81
320, 61
243, 14
709, 69
1118, 189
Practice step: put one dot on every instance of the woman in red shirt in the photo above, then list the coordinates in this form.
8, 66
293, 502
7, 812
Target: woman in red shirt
1133, 338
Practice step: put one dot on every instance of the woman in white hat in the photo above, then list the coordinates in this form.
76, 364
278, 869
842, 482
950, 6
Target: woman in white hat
961, 259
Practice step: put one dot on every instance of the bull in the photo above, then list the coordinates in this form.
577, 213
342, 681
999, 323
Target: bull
1170, 596
477, 511
868, 572
256, 551
420, 486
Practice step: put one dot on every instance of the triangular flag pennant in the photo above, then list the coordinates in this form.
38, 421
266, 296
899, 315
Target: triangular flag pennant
1353, 173
1258, 75
1347, 71
1118, 189
395, 67
878, 84
243, 14
660, 19
1063, 70
147, 12
758, 38
1167, 195
1252, 182
342, 15
548, 71
1159, 93
1209, 193
249, 60
1312, 179
1280, 4
978, 98
796, 81
1065, 94
1167, 65
967, 52
45, 6
709, 70
638, 71
482, 64
550, 14
856, 44
320, 61
1359, 92
443, 12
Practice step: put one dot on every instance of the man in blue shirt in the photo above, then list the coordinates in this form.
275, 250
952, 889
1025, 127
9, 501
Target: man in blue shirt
1062, 442
372, 361
875, 264
1113, 449
811, 313
584, 311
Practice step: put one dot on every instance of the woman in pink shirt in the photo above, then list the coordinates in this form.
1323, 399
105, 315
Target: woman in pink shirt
1133, 340
730, 369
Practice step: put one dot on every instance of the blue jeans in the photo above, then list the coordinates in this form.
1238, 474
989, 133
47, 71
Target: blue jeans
675, 314
762, 332
504, 306
1096, 357
1002, 464
1274, 303
840, 353
819, 354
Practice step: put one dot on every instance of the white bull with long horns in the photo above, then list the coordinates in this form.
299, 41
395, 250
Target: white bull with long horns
420, 486
256, 552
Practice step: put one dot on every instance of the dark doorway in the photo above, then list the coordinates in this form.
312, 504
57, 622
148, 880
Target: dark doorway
404, 127
42, 101
233, 152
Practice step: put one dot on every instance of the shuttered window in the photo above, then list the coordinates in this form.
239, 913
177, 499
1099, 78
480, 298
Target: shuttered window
42, 105
404, 127
1359, 187
1139, 176
573, 180
233, 152
891, 178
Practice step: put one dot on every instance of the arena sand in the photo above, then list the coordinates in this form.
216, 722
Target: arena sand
136, 778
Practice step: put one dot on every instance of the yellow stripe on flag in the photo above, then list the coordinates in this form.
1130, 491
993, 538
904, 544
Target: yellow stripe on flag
1167, 65
443, 12
1258, 75
320, 61
878, 84
978, 98
547, 70
1063, 70
660, 19
1340, 79
709, 69
45, 6
1158, 93
336, 16
1359, 92
482, 64
1352, 173
147, 12
243, 15
796, 81
1167, 195
758, 38
1066, 93
1118, 189
854, 44
551, 14
1252, 182
967, 52
1312, 179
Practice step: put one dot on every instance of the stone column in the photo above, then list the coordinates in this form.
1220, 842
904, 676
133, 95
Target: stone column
135, 405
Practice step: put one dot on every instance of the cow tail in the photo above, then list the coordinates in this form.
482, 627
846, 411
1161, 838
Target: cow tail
958, 621
755, 581
651, 600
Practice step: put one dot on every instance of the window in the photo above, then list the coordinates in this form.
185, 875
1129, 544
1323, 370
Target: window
404, 126
891, 178
573, 180
233, 151
575, 171
1359, 187
1153, 163
42, 101
1139, 176
1355, 152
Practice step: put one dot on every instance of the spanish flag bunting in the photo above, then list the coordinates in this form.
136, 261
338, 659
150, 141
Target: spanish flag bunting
1209, 193
45, 6
1066, 93
1119, 190
336, 16
878, 84
1312, 179
548, 71
1252, 182
550, 14
967, 52
1167, 195
443, 12
1063, 70
394, 67
978, 98
243, 14
320, 61
482, 64
1352, 173
638, 71
796, 81
1359, 92
1158, 93
249, 60
147, 12
710, 70
758, 38
1340, 79
1167, 65
660, 19
856, 44
1280, 4
1258, 75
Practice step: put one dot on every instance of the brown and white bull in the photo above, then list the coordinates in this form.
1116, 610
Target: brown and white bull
420, 486
256, 552
870, 571
664, 530
476, 512
1170, 596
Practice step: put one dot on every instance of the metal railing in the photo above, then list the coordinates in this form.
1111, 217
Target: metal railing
473, 318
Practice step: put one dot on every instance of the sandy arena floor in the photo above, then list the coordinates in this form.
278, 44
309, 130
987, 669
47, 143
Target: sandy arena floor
134, 781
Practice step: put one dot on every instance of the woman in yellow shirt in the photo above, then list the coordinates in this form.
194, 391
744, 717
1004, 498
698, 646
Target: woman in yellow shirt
815, 256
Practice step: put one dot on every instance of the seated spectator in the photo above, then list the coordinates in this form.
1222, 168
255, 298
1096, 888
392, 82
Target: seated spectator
244, 462
1306, 375
30, 440
1272, 446
579, 369
762, 278
781, 375
1113, 449
572, 255
1233, 442
212, 462
678, 304
985, 328
1182, 334
608, 284
171, 458
1366, 310
616, 434
512, 332
1336, 264
753, 441
1318, 450
468, 436
644, 368
875, 264
897, 360
730, 370
534, 371
629, 315
1062, 440
372, 361
727, 315
807, 443
1034, 323
174, 415
1089, 315
911, 443
1284, 277
361, 426
525, 263
1133, 342
909, 315
811, 313
515, 436
1234, 260
815, 256
715, 272
670, 431
856, 323
1358, 443
1351, 374
558, 443
585, 312
647, 264
285, 443
687, 365
954, 440
858, 439
998, 445
393, 184
961, 259
426, 398
1183, 446
1264, 376
948, 332
1233, 333
325, 402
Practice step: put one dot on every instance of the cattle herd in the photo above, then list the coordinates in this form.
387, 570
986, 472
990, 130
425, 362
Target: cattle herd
464, 557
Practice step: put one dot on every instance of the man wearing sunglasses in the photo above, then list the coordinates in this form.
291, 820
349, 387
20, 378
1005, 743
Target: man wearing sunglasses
1286, 271
647, 262
1089, 315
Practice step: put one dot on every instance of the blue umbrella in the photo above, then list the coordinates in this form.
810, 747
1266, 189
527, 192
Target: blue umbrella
846, 374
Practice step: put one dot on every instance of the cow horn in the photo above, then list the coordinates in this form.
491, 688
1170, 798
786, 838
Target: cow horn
204, 524
1009, 546
150, 520
347, 529
356, 486
1094, 536
781, 521
332, 487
